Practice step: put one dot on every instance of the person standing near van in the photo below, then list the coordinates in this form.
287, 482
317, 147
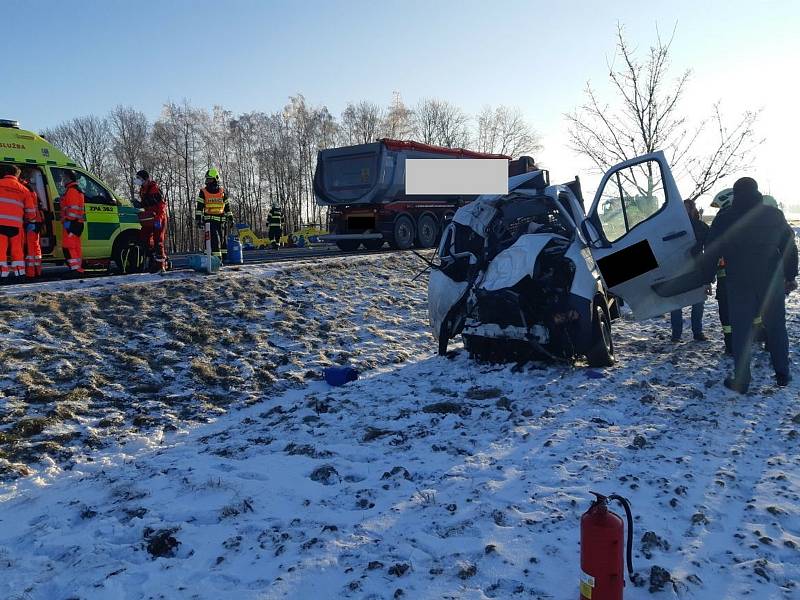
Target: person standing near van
14, 197
73, 216
213, 208
153, 219
700, 230
34, 219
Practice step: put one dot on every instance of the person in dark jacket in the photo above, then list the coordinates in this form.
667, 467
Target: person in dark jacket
761, 267
676, 316
275, 225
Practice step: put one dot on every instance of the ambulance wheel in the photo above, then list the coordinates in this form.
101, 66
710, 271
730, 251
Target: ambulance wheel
348, 245
601, 353
124, 241
404, 233
373, 245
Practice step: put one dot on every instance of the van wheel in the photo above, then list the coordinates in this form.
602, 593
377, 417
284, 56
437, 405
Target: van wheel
601, 353
348, 245
404, 234
427, 230
121, 258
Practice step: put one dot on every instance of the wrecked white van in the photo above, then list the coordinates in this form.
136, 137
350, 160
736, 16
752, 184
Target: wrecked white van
531, 273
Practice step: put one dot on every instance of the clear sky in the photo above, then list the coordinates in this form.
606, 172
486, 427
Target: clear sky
77, 57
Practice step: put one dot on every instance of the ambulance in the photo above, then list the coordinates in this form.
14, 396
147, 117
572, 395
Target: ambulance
112, 223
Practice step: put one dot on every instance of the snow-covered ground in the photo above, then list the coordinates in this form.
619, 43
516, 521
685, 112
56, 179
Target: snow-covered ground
174, 440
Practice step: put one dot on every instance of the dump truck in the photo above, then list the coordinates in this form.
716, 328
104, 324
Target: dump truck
363, 187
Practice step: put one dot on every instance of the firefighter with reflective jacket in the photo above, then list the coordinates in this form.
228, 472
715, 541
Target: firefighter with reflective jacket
213, 208
153, 219
73, 216
34, 221
14, 198
275, 225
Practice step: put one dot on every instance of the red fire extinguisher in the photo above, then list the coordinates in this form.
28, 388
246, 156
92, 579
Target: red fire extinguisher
602, 570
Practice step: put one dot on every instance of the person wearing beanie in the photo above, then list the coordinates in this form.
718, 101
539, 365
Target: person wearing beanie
761, 266
153, 219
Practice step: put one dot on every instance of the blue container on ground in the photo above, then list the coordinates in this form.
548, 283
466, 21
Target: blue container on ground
234, 251
337, 376
199, 262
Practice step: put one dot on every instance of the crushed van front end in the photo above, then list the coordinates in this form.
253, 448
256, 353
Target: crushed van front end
513, 281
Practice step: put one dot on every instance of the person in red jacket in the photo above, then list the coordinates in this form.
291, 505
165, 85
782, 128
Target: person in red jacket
13, 198
34, 218
73, 216
153, 219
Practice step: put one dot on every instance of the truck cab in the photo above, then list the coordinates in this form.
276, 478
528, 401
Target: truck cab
112, 223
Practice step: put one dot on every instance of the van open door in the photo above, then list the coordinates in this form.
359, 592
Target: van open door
641, 237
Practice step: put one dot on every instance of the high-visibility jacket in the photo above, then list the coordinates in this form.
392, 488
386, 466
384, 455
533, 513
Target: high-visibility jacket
213, 205
72, 204
13, 198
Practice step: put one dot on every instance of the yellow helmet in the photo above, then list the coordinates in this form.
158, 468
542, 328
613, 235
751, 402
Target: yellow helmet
212, 173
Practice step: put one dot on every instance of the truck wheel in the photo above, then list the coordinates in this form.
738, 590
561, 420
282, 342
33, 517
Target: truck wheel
427, 231
348, 245
123, 242
373, 245
601, 353
403, 233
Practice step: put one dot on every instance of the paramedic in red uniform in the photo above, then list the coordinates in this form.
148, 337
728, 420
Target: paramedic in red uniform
13, 198
34, 219
73, 216
153, 219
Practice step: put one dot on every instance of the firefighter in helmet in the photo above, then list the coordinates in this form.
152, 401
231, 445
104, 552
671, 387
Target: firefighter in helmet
214, 208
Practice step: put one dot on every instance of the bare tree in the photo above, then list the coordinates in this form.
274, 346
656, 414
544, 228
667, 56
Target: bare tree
397, 124
87, 140
503, 130
648, 117
361, 123
442, 123
130, 133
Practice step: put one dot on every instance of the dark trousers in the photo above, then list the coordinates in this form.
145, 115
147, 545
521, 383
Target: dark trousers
216, 238
747, 305
274, 233
676, 318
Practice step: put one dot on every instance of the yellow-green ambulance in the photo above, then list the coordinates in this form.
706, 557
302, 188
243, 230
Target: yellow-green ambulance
112, 224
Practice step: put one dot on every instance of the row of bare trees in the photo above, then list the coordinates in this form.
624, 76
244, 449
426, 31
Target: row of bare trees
266, 159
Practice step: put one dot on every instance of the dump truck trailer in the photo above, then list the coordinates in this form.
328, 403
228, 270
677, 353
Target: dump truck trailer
363, 187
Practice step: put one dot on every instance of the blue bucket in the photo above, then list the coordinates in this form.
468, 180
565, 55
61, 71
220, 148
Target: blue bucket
337, 376
234, 251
